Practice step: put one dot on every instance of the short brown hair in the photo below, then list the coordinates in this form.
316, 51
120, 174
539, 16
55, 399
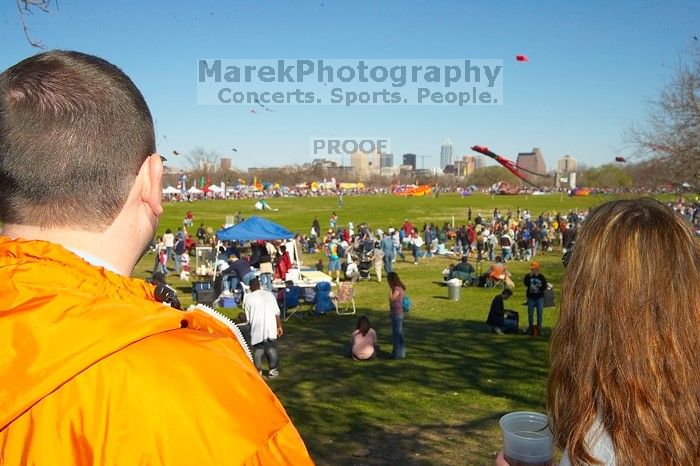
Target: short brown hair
74, 132
625, 349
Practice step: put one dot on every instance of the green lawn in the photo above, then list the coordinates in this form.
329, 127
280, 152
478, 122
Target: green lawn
441, 404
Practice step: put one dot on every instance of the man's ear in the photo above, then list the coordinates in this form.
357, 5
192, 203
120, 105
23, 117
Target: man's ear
151, 175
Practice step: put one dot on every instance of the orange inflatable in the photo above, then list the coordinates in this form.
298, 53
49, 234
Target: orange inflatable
422, 190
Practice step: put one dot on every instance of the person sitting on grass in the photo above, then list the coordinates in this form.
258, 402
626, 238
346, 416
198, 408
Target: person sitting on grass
463, 271
364, 341
496, 319
352, 272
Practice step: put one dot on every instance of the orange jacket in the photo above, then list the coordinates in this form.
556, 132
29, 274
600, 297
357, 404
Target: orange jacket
94, 371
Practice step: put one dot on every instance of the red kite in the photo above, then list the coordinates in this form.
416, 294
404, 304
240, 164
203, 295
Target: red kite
508, 164
522, 58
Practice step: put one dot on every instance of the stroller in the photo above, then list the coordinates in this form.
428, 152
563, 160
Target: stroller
364, 267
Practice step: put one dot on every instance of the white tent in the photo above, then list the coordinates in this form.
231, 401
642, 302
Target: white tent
194, 190
171, 190
215, 189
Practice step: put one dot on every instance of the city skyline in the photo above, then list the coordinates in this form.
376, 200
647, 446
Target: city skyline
589, 76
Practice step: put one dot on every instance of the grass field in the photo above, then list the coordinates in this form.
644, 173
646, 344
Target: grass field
439, 406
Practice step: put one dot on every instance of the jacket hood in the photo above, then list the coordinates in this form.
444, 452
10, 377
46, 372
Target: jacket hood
59, 315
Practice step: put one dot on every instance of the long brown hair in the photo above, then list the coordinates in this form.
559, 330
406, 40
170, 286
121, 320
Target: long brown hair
363, 325
626, 349
393, 280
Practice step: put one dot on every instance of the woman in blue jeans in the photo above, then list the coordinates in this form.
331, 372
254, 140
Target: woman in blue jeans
396, 294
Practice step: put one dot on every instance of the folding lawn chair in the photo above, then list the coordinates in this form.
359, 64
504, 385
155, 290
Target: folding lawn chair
345, 295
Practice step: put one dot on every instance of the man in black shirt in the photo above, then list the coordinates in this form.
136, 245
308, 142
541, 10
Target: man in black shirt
535, 284
496, 319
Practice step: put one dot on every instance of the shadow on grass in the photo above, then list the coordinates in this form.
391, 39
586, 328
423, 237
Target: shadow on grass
405, 411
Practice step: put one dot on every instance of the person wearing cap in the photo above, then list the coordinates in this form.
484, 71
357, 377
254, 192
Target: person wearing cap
535, 284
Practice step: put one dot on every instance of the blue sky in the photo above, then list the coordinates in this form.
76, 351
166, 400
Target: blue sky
593, 66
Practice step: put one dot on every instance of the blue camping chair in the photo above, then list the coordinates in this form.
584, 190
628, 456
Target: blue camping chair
292, 301
324, 303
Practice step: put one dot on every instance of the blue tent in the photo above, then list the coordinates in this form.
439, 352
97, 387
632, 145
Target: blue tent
254, 228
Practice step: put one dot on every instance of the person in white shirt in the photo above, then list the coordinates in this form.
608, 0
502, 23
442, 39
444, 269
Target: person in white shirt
263, 314
352, 272
169, 242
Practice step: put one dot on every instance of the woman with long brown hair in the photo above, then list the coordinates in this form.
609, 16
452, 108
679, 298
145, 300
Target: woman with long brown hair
624, 383
364, 340
397, 291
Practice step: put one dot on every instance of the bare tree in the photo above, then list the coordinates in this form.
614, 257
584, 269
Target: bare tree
670, 141
27, 8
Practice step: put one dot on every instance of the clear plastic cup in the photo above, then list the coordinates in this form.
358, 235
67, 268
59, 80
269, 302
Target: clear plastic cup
527, 439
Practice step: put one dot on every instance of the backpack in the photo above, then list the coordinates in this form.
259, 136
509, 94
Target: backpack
406, 303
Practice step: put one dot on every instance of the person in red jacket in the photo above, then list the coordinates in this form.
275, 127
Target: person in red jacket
284, 263
99, 368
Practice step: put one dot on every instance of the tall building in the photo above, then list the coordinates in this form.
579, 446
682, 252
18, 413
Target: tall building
566, 164
468, 165
365, 164
532, 161
386, 160
446, 152
225, 163
360, 163
410, 159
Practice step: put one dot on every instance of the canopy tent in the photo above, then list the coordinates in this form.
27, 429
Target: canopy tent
215, 189
254, 228
171, 190
259, 228
195, 190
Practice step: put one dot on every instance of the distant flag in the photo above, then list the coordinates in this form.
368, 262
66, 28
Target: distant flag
620, 159
522, 58
201, 182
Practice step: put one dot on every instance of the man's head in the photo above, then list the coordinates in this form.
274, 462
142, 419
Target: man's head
254, 284
535, 267
465, 259
506, 293
74, 134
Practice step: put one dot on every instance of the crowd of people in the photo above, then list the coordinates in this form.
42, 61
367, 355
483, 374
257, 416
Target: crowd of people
622, 386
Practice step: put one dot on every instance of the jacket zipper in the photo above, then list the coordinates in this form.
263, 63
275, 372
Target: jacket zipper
216, 315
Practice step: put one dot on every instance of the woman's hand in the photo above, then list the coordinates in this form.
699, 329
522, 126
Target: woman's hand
501, 459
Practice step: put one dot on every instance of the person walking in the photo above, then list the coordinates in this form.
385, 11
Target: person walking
387, 247
377, 260
263, 314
